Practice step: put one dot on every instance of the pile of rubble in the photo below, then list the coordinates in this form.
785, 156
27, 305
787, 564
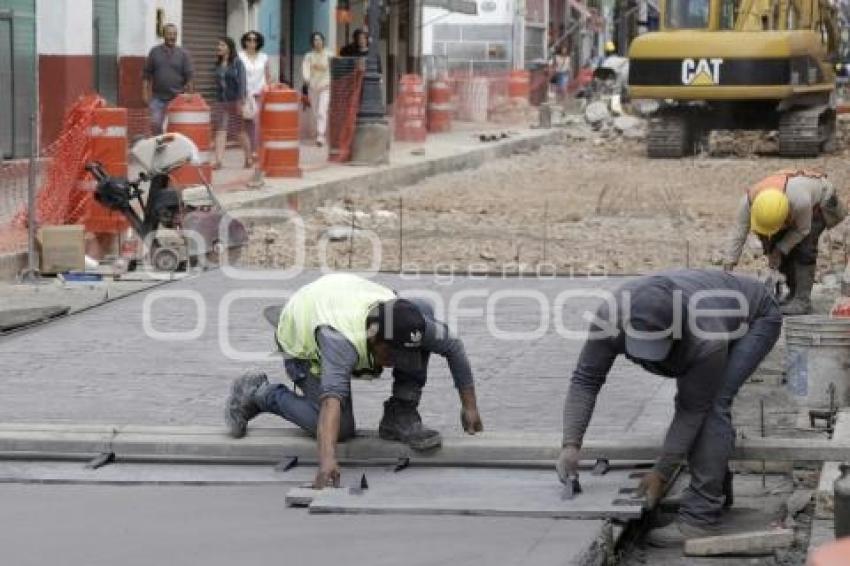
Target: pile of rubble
601, 119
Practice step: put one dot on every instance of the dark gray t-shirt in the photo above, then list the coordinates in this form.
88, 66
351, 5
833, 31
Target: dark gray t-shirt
697, 359
169, 69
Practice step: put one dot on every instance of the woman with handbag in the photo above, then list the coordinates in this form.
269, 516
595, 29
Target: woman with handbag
315, 71
230, 95
258, 77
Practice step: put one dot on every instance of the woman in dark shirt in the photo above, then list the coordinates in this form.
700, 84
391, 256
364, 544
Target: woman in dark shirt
230, 94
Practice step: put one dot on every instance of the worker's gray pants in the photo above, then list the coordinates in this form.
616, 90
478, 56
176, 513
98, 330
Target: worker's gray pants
702, 501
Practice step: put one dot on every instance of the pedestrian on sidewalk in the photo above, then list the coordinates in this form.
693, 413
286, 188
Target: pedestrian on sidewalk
342, 326
315, 70
258, 78
167, 73
561, 67
788, 211
230, 96
359, 46
709, 330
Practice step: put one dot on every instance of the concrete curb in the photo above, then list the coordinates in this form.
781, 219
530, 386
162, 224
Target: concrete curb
211, 444
373, 180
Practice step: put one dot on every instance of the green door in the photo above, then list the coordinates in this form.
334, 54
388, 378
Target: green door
105, 48
17, 76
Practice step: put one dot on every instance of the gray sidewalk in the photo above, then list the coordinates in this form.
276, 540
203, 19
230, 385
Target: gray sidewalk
100, 367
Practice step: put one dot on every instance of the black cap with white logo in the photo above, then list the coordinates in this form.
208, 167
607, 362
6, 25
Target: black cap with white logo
402, 326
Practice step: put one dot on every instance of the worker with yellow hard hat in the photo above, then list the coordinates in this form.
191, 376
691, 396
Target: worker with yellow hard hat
610, 48
788, 211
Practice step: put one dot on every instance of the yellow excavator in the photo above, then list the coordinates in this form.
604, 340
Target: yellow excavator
739, 64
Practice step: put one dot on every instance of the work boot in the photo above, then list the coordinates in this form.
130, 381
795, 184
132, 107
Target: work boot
804, 276
676, 533
401, 422
241, 405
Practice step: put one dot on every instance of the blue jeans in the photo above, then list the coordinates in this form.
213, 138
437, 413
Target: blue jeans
702, 500
158, 109
303, 410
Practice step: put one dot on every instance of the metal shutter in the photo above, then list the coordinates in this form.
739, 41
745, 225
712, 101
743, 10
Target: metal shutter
204, 21
17, 75
105, 48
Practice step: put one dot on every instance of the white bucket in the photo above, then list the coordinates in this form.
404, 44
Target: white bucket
818, 354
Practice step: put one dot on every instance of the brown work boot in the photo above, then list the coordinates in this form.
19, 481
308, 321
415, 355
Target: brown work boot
401, 422
241, 405
676, 533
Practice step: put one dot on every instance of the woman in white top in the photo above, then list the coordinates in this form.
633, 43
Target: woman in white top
257, 78
315, 71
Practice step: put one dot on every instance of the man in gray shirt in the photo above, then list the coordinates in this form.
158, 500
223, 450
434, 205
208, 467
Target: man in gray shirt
707, 329
167, 73
342, 326
789, 211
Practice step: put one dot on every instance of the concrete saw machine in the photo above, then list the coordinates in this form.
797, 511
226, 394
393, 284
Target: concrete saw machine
177, 228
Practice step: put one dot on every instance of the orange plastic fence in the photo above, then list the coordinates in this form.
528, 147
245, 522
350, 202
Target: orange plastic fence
60, 199
342, 116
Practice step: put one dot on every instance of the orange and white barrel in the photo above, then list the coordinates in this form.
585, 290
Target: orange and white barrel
410, 115
281, 148
440, 107
189, 114
519, 86
108, 146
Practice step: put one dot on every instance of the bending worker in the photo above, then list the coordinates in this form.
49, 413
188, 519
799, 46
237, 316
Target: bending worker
709, 330
789, 211
341, 326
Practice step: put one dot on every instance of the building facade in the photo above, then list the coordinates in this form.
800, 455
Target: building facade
53, 51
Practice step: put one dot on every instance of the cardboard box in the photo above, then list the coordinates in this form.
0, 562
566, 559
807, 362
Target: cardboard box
62, 248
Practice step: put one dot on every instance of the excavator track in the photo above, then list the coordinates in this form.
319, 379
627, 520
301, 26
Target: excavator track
804, 132
668, 135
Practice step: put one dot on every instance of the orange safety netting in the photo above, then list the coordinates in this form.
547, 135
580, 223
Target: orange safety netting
60, 199
342, 114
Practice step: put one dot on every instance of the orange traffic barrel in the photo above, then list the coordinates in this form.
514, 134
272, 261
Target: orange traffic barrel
519, 85
836, 553
189, 115
280, 135
107, 142
410, 110
440, 106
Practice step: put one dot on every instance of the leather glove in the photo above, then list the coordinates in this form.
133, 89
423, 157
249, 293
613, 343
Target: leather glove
774, 259
652, 487
567, 465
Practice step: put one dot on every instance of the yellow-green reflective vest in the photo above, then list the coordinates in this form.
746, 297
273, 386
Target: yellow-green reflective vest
339, 300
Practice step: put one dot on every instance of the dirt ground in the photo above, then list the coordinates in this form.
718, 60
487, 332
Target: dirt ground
585, 205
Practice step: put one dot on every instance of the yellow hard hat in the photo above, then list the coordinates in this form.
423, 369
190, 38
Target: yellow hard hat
610, 47
769, 212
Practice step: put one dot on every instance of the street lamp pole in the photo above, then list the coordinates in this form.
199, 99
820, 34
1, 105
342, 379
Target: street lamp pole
372, 136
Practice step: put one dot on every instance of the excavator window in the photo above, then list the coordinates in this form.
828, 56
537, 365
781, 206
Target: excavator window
687, 14
728, 14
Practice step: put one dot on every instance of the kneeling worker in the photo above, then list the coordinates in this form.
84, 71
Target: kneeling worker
709, 330
341, 326
789, 211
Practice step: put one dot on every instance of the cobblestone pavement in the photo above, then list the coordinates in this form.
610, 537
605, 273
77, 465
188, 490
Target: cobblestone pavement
99, 366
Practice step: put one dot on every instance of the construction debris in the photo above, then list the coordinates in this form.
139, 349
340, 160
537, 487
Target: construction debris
750, 544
